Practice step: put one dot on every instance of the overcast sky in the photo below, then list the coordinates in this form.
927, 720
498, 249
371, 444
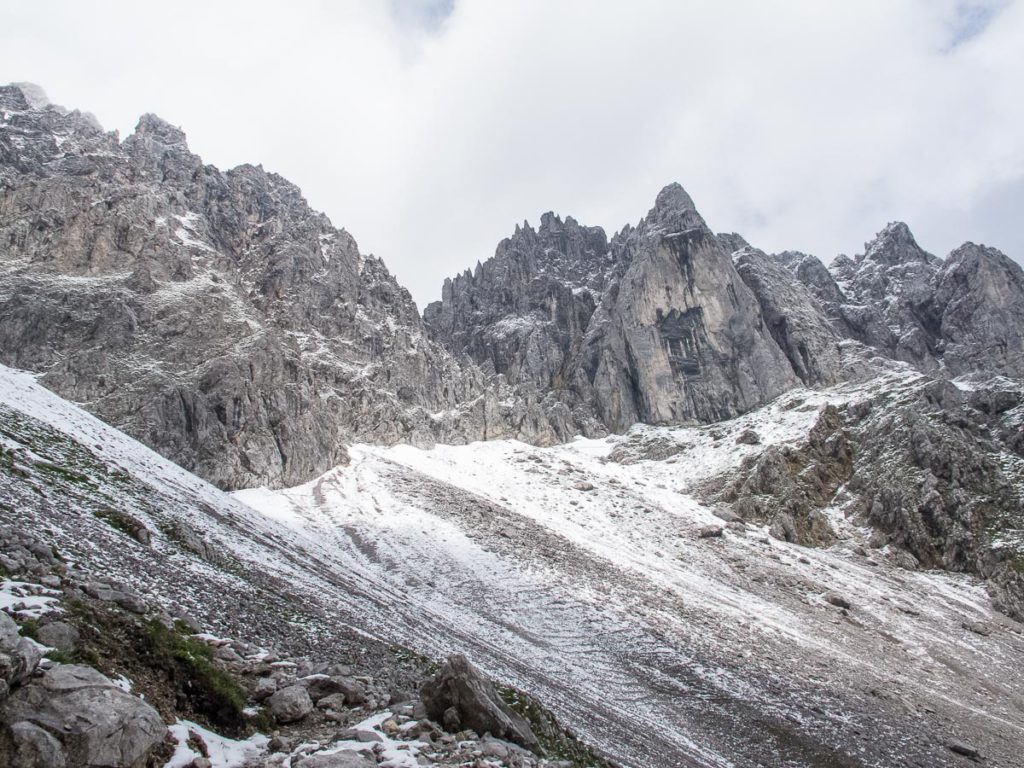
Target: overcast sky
428, 129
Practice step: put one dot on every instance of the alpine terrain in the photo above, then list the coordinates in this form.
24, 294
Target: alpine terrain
651, 499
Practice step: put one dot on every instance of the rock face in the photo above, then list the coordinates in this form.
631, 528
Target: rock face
211, 314
655, 326
787, 487
459, 691
928, 475
794, 317
948, 317
216, 317
74, 715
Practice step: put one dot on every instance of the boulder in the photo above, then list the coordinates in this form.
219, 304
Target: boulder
838, 600
59, 635
290, 704
710, 532
461, 686
320, 686
75, 716
346, 758
748, 437
265, 688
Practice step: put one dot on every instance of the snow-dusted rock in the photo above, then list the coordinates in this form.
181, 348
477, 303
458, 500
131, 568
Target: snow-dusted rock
290, 704
74, 715
459, 687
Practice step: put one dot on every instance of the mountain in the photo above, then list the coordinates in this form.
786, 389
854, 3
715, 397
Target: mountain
655, 326
212, 315
700, 503
610, 578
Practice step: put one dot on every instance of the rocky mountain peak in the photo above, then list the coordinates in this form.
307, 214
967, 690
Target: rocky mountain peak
21, 96
674, 210
895, 245
155, 129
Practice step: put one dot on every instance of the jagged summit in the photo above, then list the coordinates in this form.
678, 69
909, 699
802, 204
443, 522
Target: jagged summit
674, 208
156, 128
895, 244
35, 97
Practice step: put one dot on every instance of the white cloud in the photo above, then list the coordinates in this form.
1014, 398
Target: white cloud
429, 130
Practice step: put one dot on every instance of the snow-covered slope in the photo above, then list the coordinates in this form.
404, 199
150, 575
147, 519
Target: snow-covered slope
579, 573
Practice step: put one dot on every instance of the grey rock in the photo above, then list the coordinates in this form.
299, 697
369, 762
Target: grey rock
333, 701
793, 316
320, 686
964, 748
655, 325
978, 627
9, 633
33, 747
710, 532
212, 315
345, 758
265, 688
361, 734
838, 600
748, 437
949, 317
94, 721
290, 704
59, 635
451, 720
459, 685
227, 653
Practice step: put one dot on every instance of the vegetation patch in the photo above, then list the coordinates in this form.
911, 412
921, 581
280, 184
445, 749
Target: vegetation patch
558, 743
209, 690
123, 522
174, 671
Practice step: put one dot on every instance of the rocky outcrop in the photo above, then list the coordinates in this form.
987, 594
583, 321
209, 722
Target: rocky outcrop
73, 715
981, 295
787, 487
929, 473
678, 337
794, 318
946, 317
211, 314
655, 326
460, 694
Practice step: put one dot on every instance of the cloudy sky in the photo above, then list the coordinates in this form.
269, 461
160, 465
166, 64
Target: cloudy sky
428, 128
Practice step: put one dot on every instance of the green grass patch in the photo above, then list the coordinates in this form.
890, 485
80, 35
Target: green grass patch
211, 691
30, 629
556, 741
119, 521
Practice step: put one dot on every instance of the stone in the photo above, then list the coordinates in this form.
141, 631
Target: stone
345, 758
964, 748
33, 747
290, 704
451, 720
748, 437
710, 532
334, 701
322, 685
978, 627
94, 721
265, 688
836, 599
228, 654
59, 635
460, 686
